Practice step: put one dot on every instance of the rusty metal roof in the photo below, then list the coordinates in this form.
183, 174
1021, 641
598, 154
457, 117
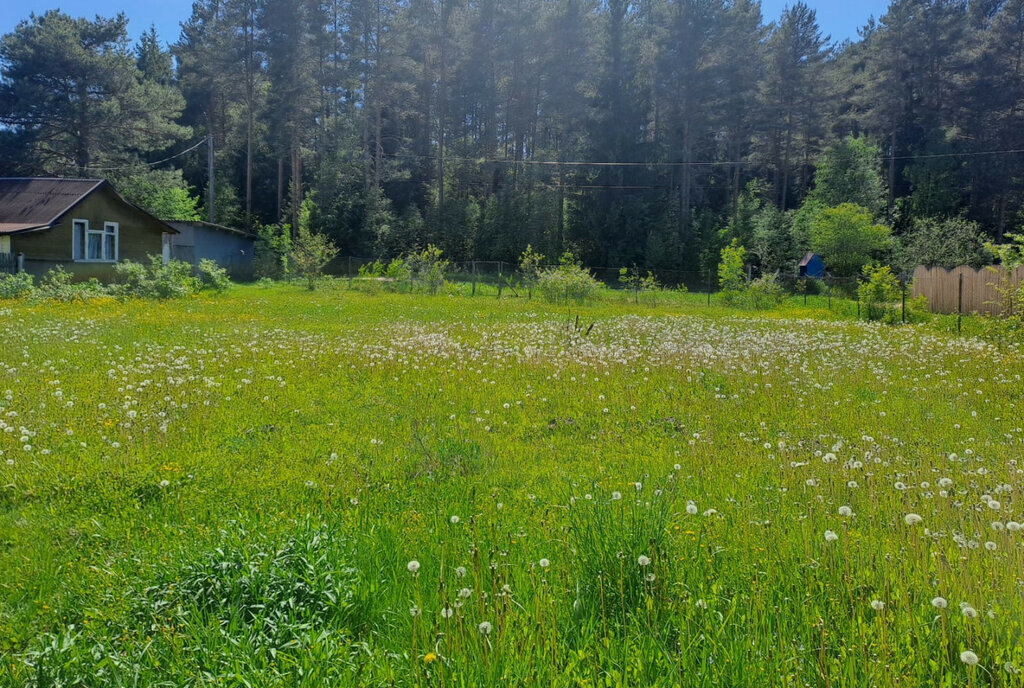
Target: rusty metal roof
28, 203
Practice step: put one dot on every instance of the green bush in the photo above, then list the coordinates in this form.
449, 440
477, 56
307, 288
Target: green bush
730, 271
569, 281
529, 268
389, 276
877, 293
764, 293
213, 276
156, 280
57, 285
15, 286
637, 282
427, 268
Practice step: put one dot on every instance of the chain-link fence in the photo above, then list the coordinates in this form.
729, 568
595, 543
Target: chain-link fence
957, 292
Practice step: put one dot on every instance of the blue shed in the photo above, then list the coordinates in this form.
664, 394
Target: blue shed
231, 248
812, 266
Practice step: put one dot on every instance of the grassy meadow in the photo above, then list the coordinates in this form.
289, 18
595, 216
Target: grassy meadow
273, 487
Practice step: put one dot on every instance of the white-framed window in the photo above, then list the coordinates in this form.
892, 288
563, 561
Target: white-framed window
92, 245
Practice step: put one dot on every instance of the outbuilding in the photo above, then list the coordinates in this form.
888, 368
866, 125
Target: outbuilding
230, 248
812, 266
82, 225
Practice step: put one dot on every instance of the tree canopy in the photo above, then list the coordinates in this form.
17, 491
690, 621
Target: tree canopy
627, 132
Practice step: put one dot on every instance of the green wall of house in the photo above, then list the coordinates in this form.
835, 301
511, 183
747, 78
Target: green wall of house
139, 236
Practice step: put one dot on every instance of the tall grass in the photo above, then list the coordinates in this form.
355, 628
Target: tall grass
230, 491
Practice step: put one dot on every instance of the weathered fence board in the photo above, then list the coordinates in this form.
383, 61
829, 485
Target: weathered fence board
8, 262
980, 294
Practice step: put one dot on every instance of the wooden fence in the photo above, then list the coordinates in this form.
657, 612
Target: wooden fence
942, 288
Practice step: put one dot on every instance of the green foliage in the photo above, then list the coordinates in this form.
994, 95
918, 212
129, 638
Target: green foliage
849, 172
764, 293
731, 271
608, 533
390, 276
637, 282
15, 285
848, 239
310, 252
1010, 255
213, 276
530, 267
879, 292
427, 268
155, 280
947, 243
245, 482
163, 193
272, 251
58, 285
568, 282
773, 240
72, 90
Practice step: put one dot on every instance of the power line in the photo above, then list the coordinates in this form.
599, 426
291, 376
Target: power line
151, 164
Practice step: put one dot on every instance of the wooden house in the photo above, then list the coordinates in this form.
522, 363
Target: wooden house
82, 225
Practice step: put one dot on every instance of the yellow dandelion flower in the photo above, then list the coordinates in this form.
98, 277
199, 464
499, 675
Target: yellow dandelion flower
429, 658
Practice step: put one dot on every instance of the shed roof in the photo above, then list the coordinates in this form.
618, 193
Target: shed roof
807, 259
33, 203
177, 224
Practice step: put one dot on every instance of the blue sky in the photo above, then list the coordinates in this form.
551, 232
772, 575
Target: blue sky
839, 18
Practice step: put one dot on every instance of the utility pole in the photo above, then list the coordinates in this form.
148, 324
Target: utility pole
211, 197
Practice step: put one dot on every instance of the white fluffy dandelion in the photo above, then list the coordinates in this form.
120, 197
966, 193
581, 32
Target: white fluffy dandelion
877, 605
912, 519
413, 566
484, 627
830, 536
643, 561
691, 509
939, 602
544, 563
845, 511
968, 658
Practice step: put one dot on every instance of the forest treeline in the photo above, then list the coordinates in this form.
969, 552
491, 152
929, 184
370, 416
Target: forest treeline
649, 133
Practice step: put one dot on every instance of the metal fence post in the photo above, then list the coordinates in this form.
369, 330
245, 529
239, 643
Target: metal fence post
499, 279
960, 305
21, 262
474, 278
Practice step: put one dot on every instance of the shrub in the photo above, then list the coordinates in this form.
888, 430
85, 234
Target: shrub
57, 285
427, 268
310, 254
730, 270
530, 267
877, 293
156, 280
273, 246
389, 275
635, 281
848, 239
15, 286
569, 281
213, 276
764, 292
